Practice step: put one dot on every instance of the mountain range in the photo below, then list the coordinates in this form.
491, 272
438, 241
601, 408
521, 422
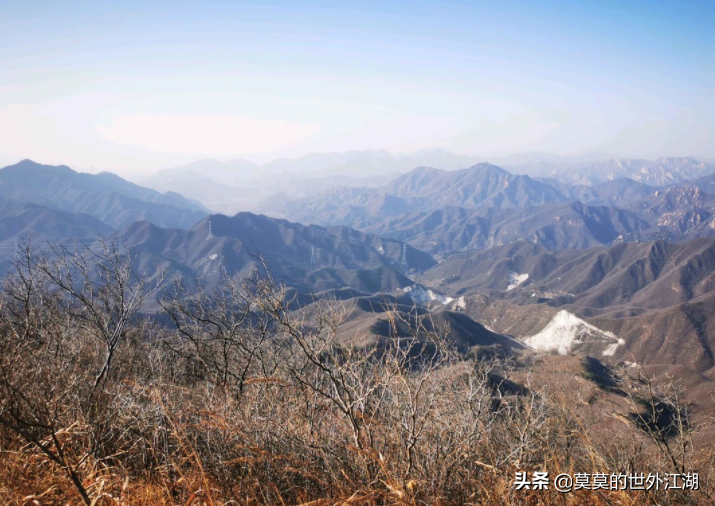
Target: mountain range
422, 189
239, 185
348, 163
624, 279
309, 259
443, 212
659, 172
643, 303
105, 196
619, 269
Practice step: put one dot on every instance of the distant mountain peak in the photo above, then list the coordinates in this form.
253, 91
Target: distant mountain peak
28, 164
104, 196
488, 167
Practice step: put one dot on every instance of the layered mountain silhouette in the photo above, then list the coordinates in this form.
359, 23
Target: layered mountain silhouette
555, 226
350, 163
24, 222
482, 186
660, 172
23, 219
246, 194
308, 258
105, 196
443, 212
615, 259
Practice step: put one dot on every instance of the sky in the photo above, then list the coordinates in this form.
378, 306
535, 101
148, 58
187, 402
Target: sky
138, 86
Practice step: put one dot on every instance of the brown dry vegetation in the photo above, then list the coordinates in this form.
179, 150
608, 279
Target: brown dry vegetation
235, 399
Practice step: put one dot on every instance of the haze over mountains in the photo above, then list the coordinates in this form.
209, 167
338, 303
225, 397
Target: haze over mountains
396, 254
239, 185
365, 163
663, 171
609, 258
105, 196
236, 185
485, 205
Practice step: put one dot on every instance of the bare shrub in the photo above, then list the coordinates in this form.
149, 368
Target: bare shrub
235, 396
221, 331
64, 314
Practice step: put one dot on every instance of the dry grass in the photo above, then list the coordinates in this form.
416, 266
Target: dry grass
245, 402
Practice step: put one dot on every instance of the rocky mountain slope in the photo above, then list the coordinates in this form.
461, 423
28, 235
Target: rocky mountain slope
622, 280
482, 186
565, 225
443, 212
307, 258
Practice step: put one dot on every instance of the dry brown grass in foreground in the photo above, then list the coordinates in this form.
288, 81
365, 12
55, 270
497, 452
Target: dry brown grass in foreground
242, 401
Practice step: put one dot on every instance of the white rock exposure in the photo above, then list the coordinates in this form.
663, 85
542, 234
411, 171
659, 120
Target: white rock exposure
424, 295
567, 329
516, 279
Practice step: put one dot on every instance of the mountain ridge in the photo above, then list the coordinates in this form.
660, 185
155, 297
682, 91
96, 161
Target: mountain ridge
105, 196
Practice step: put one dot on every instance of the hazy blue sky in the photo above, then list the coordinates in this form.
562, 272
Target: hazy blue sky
144, 85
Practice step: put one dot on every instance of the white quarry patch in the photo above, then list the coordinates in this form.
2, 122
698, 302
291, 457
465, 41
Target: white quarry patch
380, 250
516, 279
567, 329
460, 304
424, 295
213, 257
608, 352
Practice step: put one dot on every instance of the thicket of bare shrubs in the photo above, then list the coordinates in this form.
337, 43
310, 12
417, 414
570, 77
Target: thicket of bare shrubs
231, 397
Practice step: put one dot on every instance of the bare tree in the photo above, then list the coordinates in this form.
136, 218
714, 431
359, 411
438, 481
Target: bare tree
659, 411
57, 305
221, 329
105, 291
248, 397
